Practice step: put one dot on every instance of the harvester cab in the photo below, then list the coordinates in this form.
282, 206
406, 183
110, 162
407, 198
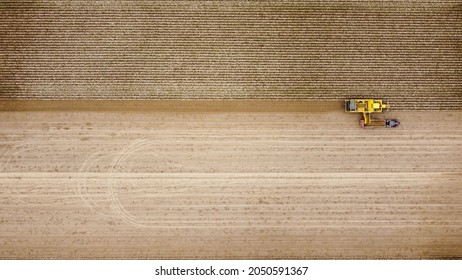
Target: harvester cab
367, 107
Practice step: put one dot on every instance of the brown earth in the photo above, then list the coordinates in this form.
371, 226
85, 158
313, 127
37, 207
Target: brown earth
229, 185
147, 172
248, 105
408, 52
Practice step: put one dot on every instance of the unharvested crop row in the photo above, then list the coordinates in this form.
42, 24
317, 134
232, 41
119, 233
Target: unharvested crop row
406, 52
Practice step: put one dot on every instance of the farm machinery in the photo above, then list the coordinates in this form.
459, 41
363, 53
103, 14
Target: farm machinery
368, 107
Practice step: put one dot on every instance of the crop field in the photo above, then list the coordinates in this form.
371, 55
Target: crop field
408, 52
216, 130
229, 185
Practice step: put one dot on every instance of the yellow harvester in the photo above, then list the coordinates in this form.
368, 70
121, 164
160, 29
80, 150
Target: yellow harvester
367, 107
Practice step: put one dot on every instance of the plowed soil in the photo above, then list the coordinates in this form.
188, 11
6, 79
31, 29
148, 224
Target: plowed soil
408, 52
229, 185
215, 129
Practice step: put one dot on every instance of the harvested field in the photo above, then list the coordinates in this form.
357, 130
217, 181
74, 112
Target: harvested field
408, 52
215, 129
229, 185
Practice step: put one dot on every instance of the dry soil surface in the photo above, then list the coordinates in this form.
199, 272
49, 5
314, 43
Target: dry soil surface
229, 185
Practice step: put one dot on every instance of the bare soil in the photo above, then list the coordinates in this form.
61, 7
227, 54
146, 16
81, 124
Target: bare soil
150, 129
229, 185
